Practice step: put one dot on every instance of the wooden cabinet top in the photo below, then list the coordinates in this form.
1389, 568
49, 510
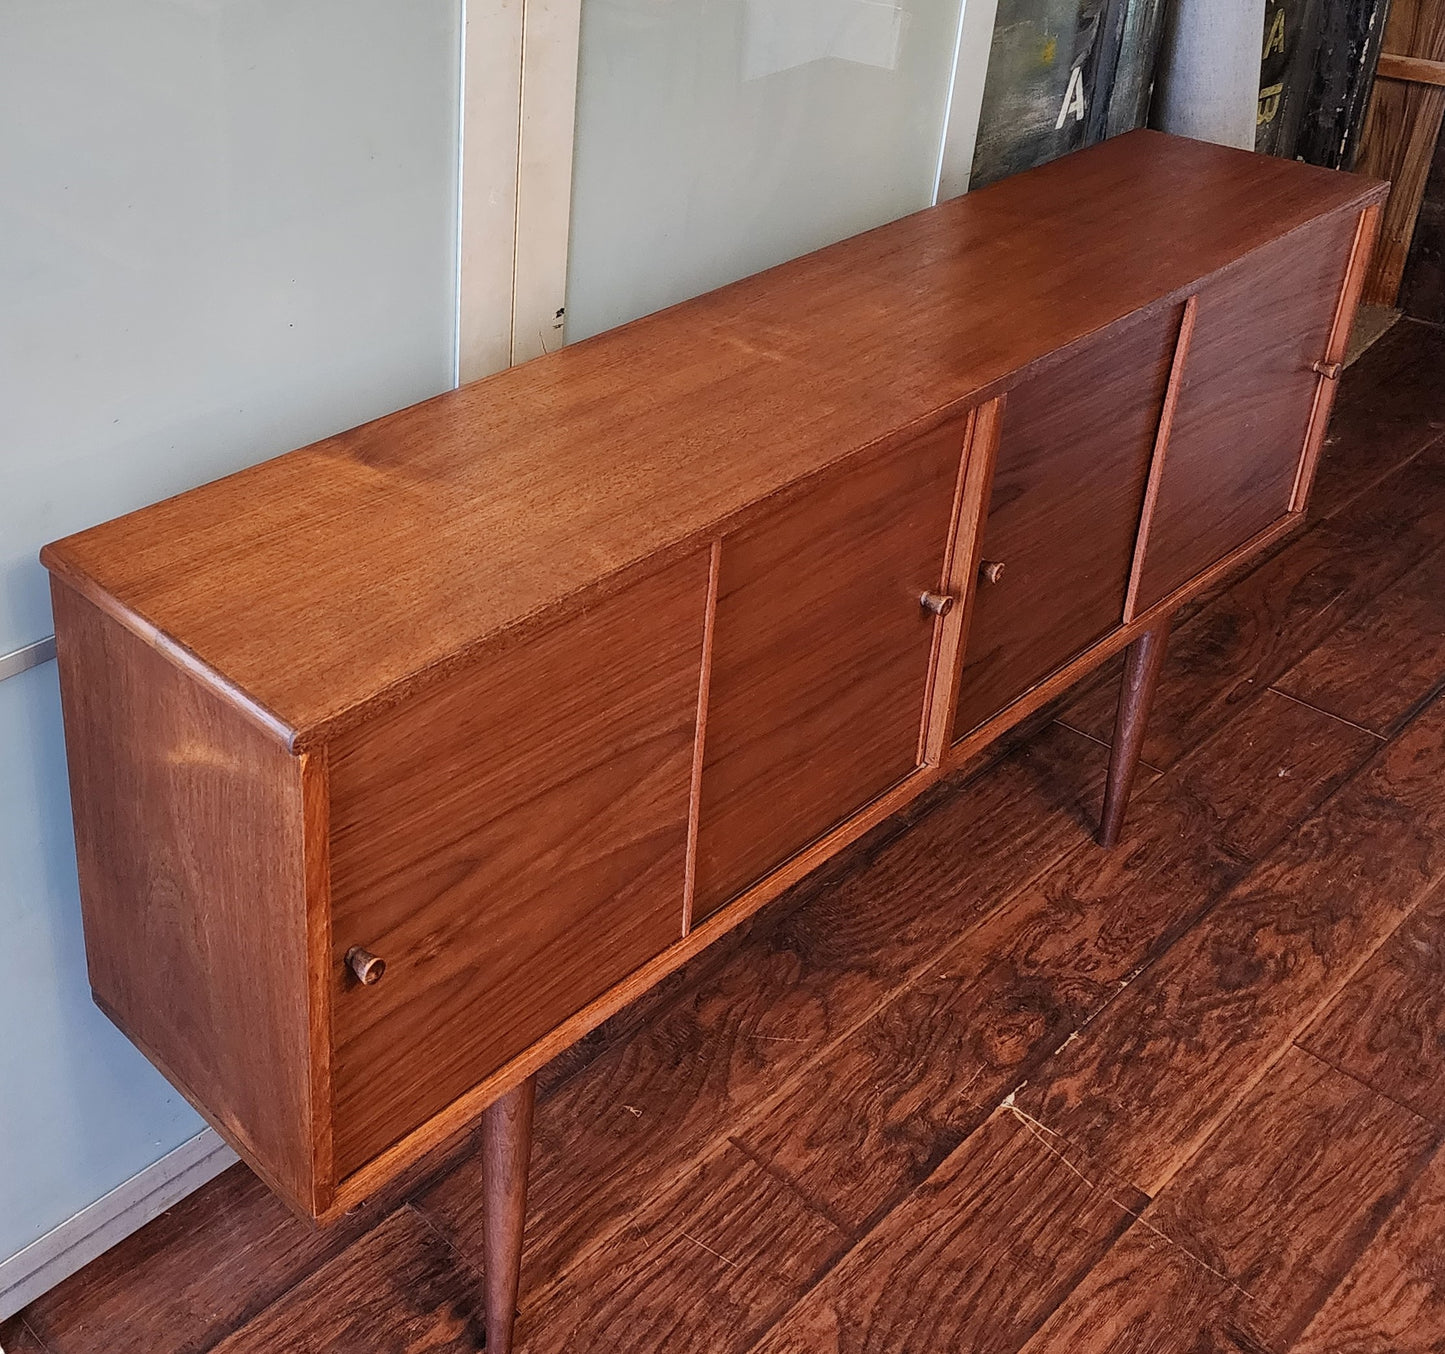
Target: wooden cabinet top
321, 584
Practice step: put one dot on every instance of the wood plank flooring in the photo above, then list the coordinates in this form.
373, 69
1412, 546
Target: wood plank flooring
981, 1086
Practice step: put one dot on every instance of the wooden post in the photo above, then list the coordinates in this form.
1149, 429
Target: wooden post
1141, 675
1401, 128
506, 1145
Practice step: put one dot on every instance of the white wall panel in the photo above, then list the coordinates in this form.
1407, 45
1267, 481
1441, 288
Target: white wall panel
718, 137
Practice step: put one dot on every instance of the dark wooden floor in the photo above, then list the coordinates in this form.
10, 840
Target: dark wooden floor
985, 1087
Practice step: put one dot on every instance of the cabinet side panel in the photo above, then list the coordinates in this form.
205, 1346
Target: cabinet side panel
188, 836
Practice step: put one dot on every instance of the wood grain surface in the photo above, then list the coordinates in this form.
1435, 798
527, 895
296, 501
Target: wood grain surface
425, 1303
1244, 408
1393, 1300
865, 1028
541, 809
511, 846
1345, 676
1212, 1013
17, 1337
1250, 635
1386, 1027
876, 1113
821, 656
196, 942
202, 1269
1148, 1297
341, 574
722, 1254
1421, 69
1338, 347
1173, 388
1284, 1198
506, 1149
1391, 413
1142, 663
1399, 137
648, 1110
976, 1259
961, 574
1068, 484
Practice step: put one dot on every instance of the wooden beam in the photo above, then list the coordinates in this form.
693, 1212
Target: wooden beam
1416, 69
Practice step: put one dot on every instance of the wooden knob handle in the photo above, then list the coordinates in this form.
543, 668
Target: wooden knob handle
990, 570
1329, 370
936, 603
367, 966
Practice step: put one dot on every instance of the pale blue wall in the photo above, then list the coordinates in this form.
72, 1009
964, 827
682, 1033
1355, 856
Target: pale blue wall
80, 1109
228, 229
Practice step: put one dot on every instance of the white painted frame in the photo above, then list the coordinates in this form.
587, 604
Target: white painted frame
965, 97
518, 110
519, 100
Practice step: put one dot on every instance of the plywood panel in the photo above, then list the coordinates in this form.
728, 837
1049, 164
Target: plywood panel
511, 847
1072, 464
821, 659
1244, 406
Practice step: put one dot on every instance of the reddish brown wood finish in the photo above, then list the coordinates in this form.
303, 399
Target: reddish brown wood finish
1240, 428
536, 689
398, 1289
512, 846
1393, 1300
961, 573
188, 835
1367, 234
1386, 1028
1286, 1195
506, 1145
1073, 459
1255, 970
1161, 451
1012, 1184
819, 1097
1136, 695
357, 569
820, 659
699, 743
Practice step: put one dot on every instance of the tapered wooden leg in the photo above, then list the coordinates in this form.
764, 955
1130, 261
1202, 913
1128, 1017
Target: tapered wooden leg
1141, 675
506, 1145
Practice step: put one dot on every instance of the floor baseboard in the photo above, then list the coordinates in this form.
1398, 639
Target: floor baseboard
97, 1227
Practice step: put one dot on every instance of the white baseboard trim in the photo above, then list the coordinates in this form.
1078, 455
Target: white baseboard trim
97, 1227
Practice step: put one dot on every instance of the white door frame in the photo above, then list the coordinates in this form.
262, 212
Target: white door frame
518, 109
519, 96
965, 97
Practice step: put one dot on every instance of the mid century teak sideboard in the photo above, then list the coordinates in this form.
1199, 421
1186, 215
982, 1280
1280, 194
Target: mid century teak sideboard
401, 761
